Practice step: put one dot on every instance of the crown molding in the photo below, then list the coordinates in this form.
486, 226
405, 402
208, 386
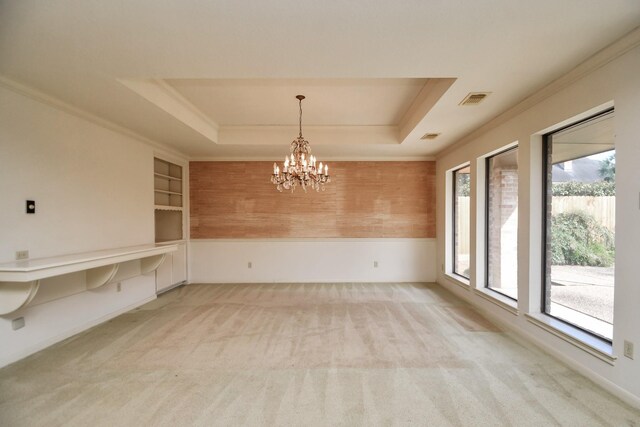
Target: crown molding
58, 104
599, 59
159, 93
317, 135
414, 122
328, 159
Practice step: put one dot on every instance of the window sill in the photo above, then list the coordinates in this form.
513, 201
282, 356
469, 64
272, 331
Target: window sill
500, 300
595, 346
463, 282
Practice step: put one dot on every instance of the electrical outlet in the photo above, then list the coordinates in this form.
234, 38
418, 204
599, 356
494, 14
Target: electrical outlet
375, 264
22, 255
17, 323
628, 349
119, 287
249, 265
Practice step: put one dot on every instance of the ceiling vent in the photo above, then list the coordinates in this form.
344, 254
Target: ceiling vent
474, 98
430, 136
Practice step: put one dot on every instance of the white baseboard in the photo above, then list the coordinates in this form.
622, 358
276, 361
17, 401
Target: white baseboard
526, 338
28, 351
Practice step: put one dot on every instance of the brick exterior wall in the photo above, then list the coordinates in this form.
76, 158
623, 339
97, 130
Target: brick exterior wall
503, 228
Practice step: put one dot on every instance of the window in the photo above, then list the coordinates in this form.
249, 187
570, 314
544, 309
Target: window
461, 221
580, 225
502, 223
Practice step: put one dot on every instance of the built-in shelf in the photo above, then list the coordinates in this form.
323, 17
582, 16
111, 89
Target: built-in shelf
168, 208
99, 276
169, 222
20, 280
171, 178
168, 195
168, 192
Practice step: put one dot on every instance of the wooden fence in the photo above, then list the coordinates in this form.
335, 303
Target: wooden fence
602, 208
463, 225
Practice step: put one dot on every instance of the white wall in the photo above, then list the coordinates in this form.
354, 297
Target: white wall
51, 322
617, 82
93, 189
312, 260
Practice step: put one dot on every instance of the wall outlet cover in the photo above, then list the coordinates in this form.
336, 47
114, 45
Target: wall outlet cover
22, 255
17, 323
628, 349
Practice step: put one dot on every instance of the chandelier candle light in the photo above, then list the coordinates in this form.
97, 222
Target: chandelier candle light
301, 168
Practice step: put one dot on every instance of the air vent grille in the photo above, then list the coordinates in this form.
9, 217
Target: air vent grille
430, 136
474, 98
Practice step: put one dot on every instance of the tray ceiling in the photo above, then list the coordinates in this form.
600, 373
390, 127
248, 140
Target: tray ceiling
207, 79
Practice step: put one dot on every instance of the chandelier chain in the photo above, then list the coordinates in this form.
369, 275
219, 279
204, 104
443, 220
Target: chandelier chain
300, 119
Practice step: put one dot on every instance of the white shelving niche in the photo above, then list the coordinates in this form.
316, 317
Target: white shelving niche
168, 196
169, 187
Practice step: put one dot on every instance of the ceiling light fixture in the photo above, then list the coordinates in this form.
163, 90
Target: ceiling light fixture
301, 168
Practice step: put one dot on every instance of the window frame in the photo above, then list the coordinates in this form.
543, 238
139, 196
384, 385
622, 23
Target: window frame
487, 257
453, 217
546, 223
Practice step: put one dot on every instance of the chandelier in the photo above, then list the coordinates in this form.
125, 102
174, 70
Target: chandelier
301, 168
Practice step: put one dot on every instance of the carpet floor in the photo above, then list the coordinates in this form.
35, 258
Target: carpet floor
301, 355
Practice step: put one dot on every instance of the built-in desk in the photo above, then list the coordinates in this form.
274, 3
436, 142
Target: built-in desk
20, 280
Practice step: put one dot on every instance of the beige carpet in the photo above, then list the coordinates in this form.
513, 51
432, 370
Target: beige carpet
301, 355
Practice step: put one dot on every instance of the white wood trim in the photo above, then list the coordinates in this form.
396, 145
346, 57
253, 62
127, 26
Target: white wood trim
458, 280
35, 269
167, 208
597, 60
582, 340
166, 98
525, 337
501, 301
75, 111
71, 332
324, 158
317, 239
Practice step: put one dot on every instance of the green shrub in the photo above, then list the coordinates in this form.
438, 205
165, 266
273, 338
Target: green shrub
574, 188
607, 168
578, 239
463, 186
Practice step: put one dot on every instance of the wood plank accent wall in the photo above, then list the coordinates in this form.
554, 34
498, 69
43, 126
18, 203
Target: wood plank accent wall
364, 199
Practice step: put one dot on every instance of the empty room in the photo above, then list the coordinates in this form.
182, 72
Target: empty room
319, 213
